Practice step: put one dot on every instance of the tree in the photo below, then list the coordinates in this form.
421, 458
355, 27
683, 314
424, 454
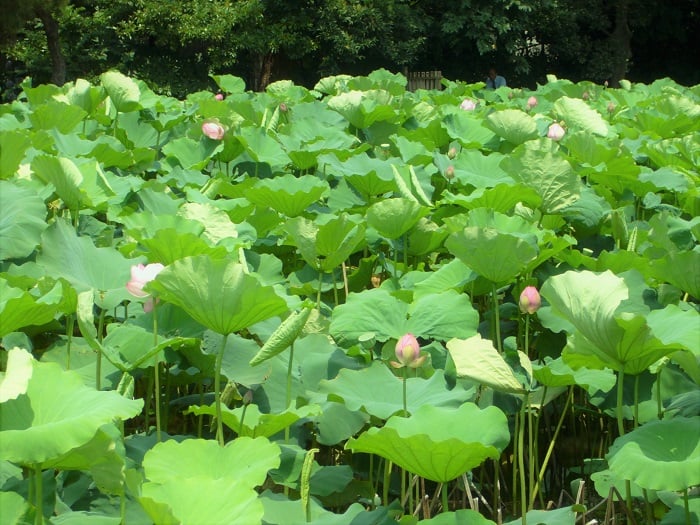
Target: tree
14, 15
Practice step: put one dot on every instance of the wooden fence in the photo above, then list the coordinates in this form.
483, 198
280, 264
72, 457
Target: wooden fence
423, 80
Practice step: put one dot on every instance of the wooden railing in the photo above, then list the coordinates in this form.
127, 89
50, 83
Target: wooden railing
424, 80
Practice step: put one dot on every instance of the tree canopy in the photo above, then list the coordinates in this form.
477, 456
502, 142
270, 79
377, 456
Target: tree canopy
176, 45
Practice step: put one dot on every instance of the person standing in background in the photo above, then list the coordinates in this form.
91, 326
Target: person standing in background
494, 80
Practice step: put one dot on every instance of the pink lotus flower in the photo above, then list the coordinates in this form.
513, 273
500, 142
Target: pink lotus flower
468, 105
219, 96
530, 300
408, 353
531, 102
140, 276
450, 172
213, 130
556, 132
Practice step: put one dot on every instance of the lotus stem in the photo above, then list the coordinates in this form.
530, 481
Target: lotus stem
39, 514
620, 388
686, 505
98, 363
445, 499
156, 371
217, 391
405, 402
636, 401
70, 325
497, 318
387, 482
521, 459
290, 365
659, 405
548, 455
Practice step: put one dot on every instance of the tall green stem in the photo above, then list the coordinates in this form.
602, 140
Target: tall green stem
521, 459
38, 479
290, 366
621, 428
405, 398
445, 499
70, 325
98, 364
497, 318
217, 391
156, 372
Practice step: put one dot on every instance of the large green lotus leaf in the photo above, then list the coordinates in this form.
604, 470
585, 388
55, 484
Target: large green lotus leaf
363, 108
83, 265
13, 145
681, 269
477, 359
56, 414
538, 164
452, 276
218, 228
19, 309
243, 460
64, 175
423, 444
336, 423
563, 516
194, 501
496, 256
576, 113
192, 154
351, 387
443, 316
425, 237
673, 326
554, 373
255, 423
281, 509
13, 508
169, 245
262, 147
229, 83
21, 222
102, 456
468, 129
56, 115
122, 90
369, 176
459, 517
609, 319
217, 293
12, 386
288, 194
501, 198
473, 168
439, 316
659, 455
394, 217
513, 125
327, 243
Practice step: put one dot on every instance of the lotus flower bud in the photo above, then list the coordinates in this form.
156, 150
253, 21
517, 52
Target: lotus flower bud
140, 276
510, 95
283, 107
213, 130
611, 108
219, 96
606, 84
450, 172
408, 353
452, 153
531, 102
530, 300
468, 105
556, 132
586, 95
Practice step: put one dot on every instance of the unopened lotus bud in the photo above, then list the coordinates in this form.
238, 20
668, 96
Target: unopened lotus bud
248, 397
408, 353
585, 95
605, 84
219, 96
556, 132
530, 300
283, 107
468, 105
531, 102
452, 153
450, 172
611, 108
510, 95
213, 130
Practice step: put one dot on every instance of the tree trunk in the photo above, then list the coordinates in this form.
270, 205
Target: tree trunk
58, 61
620, 39
262, 70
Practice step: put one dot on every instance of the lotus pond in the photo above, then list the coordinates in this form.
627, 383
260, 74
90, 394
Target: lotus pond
352, 304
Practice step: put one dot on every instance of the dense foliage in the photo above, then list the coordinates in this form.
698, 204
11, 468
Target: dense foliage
174, 46
350, 304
